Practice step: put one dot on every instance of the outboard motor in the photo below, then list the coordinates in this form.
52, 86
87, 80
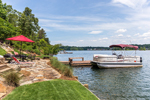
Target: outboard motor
140, 59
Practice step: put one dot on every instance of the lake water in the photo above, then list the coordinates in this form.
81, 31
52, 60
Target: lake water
114, 84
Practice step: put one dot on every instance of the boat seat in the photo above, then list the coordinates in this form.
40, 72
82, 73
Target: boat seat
114, 53
119, 57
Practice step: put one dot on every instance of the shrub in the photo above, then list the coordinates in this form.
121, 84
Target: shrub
46, 51
12, 52
24, 46
12, 78
66, 70
29, 48
37, 51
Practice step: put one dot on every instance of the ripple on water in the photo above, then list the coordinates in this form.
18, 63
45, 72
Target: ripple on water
115, 84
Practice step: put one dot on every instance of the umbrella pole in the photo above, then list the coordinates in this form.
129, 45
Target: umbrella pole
20, 50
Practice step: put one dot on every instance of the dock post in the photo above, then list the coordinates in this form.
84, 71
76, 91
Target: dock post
70, 61
82, 59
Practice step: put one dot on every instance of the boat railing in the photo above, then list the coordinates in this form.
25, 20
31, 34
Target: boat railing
124, 58
133, 58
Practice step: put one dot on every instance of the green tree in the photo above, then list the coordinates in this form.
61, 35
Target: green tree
55, 48
41, 34
3, 10
28, 23
7, 29
43, 43
12, 15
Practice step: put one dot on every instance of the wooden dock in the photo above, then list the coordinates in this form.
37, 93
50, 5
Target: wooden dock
77, 63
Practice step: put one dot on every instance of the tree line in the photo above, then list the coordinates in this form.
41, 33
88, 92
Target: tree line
14, 23
140, 47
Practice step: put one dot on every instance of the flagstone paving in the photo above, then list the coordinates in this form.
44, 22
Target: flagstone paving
39, 71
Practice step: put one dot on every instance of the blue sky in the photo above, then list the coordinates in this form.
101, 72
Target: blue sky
91, 22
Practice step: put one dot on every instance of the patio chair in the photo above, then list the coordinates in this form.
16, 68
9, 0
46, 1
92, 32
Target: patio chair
22, 63
8, 57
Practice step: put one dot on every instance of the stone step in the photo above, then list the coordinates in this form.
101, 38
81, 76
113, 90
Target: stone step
2, 95
21, 75
3, 66
6, 69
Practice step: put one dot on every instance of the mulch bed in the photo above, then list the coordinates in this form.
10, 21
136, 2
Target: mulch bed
67, 78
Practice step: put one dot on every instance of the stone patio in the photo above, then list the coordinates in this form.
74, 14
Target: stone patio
39, 71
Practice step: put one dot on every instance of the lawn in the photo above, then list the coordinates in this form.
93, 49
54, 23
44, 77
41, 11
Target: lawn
51, 90
2, 51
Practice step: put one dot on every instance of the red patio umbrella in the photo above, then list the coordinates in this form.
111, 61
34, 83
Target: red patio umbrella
20, 38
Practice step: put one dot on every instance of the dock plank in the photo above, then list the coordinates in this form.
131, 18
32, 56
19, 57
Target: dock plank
78, 63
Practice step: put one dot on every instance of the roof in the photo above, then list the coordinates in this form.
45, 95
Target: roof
124, 45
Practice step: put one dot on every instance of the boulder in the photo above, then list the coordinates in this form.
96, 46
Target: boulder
86, 85
2, 88
2, 60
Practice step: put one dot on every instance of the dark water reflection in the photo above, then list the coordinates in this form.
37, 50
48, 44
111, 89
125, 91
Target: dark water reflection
115, 84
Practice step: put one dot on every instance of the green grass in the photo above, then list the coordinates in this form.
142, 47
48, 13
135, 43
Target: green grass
51, 90
2, 51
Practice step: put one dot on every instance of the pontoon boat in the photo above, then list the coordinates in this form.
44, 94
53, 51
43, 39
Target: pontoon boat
117, 60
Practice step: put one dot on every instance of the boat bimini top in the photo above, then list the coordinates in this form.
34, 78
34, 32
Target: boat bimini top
124, 45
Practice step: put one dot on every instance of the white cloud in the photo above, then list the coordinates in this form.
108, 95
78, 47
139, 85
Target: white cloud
47, 30
128, 35
81, 40
120, 35
72, 18
128, 3
147, 34
93, 40
105, 38
135, 4
121, 30
95, 32
139, 27
137, 34
49, 20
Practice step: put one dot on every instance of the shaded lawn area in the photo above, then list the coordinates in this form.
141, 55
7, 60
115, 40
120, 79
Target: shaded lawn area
2, 51
51, 90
